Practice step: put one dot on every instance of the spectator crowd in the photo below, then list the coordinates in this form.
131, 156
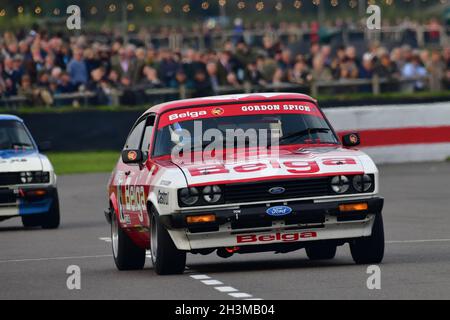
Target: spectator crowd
36, 66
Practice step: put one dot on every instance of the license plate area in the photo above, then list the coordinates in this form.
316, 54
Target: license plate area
8, 196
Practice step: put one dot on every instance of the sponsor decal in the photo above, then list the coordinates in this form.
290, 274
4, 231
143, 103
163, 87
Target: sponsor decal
165, 182
277, 190
199, 113
278, 237
15, 160
279, 211
291, 167
132, 155
187, 115
163, 197
217, 111
294, 167
135, 199
353, 138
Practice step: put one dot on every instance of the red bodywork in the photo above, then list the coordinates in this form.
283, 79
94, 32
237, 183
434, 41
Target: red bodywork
130, 185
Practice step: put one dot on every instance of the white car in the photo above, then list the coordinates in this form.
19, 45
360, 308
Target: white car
315, 192
27, 179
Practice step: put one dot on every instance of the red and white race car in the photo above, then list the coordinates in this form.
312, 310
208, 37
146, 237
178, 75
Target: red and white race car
241, 174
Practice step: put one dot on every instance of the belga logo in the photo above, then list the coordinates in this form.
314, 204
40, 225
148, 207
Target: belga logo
278, 211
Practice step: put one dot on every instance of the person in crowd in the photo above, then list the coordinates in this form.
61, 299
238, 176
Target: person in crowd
413, 69
51, 63
202, 85
151, 79
254, 76
436, 69
300, 73
77, 69
320, 72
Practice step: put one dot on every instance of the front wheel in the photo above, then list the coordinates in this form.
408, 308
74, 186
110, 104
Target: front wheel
321, 251
51, 220
370, 250
166, 258
48, 220
127, 255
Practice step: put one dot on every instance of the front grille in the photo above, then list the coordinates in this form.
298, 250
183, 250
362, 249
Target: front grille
259, 191
7, 196
9, 178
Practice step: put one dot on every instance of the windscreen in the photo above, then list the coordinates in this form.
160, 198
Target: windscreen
260, 124
13, 136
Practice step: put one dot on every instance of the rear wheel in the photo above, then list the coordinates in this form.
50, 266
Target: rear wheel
321, 251
369, 250
127, 255
166, 258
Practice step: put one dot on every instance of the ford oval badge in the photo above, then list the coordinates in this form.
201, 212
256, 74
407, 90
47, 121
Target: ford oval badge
277, 190
279, 211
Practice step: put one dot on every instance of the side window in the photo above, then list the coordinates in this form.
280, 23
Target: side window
134, 139
146, 140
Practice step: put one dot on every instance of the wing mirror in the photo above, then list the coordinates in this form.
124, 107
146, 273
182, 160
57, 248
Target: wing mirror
132, 156
351, 140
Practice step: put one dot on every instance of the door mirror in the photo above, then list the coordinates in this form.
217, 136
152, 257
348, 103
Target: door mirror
132, 156
45, 146
351, 140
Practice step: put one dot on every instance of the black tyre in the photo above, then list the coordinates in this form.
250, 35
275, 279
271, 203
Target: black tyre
31, 221
127, 255
48, 220
321, 251
370, 250
52, 218
167, 259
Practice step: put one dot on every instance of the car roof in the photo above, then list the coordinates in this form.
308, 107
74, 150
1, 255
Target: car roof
10, 117
227, 99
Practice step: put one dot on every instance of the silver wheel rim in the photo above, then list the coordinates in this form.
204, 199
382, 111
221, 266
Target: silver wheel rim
154, 239
114, 234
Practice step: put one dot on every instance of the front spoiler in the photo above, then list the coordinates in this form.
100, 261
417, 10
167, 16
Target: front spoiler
254, 216
19, 202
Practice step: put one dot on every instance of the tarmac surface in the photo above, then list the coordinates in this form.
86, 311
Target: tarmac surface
33, 262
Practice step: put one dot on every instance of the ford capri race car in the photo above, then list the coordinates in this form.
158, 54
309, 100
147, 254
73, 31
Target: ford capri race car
276, 179
27, 179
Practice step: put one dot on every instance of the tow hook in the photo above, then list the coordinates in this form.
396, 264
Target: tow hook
227, 252
108, 215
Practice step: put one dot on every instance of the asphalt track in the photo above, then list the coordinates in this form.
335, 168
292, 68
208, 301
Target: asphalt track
33, 263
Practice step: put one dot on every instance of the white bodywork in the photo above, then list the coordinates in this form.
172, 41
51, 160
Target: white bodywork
24, 162
169, 179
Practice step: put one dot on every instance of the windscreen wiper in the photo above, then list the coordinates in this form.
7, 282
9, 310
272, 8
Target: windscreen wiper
302, 133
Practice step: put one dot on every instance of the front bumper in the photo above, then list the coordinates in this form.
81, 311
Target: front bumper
26, 200
250, 225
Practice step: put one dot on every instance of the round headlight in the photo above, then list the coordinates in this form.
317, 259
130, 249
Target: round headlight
26, 177
189, 196
212, 194
362, 183
340, 184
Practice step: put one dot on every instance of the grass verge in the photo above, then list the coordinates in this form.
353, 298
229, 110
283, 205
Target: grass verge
83, 162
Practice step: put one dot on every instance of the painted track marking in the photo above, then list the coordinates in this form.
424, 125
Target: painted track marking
57, 258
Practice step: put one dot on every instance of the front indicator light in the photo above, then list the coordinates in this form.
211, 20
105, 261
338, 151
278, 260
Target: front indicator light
201, 219
36, 193
353, 207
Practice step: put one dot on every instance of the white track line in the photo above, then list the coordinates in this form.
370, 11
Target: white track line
212, 282
219, 286
58, 258
226, 289
417, 241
